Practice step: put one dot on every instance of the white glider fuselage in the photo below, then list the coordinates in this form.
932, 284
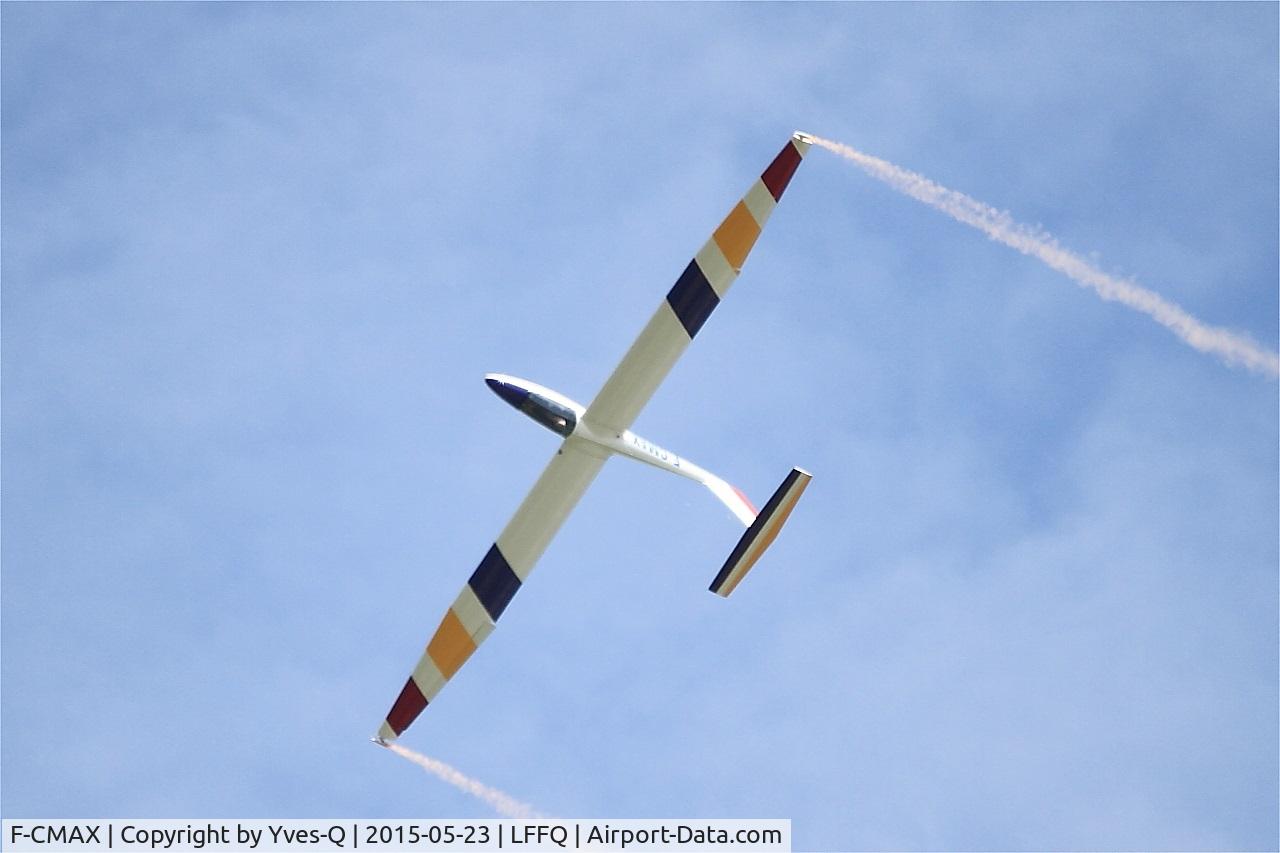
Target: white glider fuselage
566, 417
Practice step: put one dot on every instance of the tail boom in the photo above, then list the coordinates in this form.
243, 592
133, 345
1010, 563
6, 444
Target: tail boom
730, 496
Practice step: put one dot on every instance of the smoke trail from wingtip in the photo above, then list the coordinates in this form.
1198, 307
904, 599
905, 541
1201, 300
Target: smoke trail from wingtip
1231, 347
503, 804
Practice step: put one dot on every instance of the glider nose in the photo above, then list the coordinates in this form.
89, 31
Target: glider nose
514, 395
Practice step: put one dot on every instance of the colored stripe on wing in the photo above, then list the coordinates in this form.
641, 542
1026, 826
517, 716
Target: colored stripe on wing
494, 583
707, 278
692, 298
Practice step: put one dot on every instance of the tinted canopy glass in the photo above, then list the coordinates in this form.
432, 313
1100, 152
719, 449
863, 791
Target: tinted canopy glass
555, 417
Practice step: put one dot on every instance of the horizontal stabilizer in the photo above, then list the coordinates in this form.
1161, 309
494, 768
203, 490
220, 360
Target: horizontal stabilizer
761, 533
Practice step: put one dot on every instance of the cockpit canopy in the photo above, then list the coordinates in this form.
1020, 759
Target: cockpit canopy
555, 417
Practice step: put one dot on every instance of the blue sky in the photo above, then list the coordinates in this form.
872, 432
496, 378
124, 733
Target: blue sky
257, 260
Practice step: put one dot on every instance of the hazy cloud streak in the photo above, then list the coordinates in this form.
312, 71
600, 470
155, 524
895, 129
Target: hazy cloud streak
1231, 347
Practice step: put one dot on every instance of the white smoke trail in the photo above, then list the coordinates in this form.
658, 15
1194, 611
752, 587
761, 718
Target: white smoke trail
503, 804
1231, 347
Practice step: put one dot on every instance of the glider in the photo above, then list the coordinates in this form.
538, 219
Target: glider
596, 432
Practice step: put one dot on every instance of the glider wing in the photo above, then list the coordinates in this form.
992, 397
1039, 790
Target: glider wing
704, 282
473, 614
